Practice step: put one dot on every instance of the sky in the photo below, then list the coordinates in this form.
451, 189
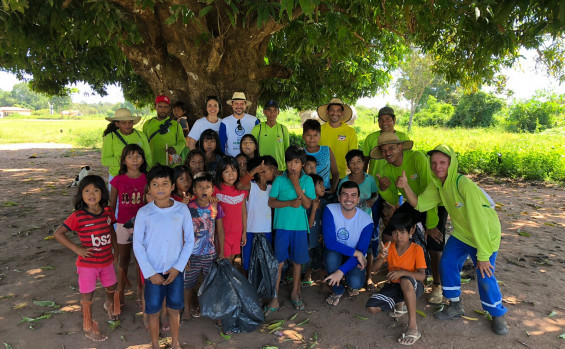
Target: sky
523, 79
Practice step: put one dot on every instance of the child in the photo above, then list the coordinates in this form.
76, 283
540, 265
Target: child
163, 240
406, 274
367, 184
315, 237
93, 221
310, 165
128, 186
210, 144
183, 184
326, 164
232, 201
206, 220
258, 210
249, 146
242, 163
291, 194
195, 162
179, 113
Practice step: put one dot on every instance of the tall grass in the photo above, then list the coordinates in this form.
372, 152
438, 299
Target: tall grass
539, 156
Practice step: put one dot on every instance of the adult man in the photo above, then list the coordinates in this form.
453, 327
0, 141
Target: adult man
347, 233
387, 120
272, 137
476, 233
400, 160
236, 125
336, 134
164, 134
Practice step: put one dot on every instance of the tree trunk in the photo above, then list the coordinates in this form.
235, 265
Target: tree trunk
412, 110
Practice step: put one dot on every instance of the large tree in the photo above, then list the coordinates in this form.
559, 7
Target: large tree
301, 52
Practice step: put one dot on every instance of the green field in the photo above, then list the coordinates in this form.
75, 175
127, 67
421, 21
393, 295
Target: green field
539, 156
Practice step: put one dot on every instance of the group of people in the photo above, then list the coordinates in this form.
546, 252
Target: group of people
184, 196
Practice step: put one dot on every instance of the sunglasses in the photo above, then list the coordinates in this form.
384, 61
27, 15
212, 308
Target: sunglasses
239, 127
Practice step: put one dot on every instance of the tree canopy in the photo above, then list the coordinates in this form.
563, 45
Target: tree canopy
300, 52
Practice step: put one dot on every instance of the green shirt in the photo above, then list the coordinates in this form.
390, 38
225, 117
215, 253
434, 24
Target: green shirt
474, 220
418, 172
112, 148
290, 218
172, 138
272, 141
376, 166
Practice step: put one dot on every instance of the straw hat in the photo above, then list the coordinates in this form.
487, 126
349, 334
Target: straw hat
345, 116
123, 114
388, 138
239, 96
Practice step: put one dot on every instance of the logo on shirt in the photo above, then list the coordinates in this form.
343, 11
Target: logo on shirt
101, 241
341, 138
458, 204
342, 234
239, 130
414, 176
109, 220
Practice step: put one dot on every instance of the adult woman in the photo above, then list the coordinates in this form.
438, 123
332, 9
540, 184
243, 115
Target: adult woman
118, 134
476, 233
211, 121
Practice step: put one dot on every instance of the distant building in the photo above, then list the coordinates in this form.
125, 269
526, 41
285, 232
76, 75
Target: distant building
7, 111
71, 112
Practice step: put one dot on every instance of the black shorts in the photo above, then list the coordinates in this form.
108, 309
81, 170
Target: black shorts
420, 217
391, 293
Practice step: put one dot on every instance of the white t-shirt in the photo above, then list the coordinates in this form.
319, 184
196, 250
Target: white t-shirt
202, 125
231, 132
348, 231
258, 210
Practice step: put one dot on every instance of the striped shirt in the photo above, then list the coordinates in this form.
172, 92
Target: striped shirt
93, 232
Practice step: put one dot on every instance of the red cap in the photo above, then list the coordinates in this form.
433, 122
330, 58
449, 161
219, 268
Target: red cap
162, 98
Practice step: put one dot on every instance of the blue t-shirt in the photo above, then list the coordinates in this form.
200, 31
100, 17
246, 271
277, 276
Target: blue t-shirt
290, 218
366, 189
323, 164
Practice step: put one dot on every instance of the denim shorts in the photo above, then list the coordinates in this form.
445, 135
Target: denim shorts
293, 245
155, 294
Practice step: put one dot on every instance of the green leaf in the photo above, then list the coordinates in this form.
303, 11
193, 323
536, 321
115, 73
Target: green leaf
421, 313
29, 319
225, 336
205, 11
293, 317
47, 267
50, 304
113, 324
562, 336
9, 204
552, 314
303, 322
465, 281
276, 324
361, 317
307, 6
7, 346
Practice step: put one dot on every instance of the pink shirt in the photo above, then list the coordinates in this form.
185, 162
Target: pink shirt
231, 199
130, 195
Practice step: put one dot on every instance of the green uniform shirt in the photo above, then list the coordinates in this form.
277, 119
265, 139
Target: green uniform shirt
376, 166
474, 221
112, 148
290, 218
418, 172
272, 141
172, 138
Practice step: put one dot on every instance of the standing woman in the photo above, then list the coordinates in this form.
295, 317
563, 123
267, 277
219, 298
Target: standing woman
118, 134
211, 121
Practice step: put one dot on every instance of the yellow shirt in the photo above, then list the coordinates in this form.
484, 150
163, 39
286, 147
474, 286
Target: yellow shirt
340, 140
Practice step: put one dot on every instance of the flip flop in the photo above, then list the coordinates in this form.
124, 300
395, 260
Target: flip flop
269, 310
412, 337
394, 313
298, 304
333, 299
353, 292
195, 312
308, 283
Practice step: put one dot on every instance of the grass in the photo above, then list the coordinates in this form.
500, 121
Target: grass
539, 156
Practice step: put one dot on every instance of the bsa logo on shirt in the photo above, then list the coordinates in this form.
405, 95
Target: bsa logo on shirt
342, 234
341, 138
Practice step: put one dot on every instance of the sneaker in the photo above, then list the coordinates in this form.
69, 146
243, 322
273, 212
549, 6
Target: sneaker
436, 296
453, 310
499, 325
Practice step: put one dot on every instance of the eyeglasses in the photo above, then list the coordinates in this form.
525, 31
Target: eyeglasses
239, 127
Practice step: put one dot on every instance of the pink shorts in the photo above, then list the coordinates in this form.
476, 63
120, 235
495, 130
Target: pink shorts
123, 234
87, 278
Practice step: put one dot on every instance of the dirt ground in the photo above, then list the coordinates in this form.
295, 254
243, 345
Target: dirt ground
35, 201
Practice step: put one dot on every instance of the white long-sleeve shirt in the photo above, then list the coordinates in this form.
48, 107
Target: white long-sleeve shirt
158, 237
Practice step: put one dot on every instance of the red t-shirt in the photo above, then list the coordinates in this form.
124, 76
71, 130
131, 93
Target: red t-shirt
411, 260
130, 195
93, 232
231, 199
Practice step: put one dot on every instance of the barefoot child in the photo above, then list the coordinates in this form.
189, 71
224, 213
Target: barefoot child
127, 190
232, 201
93, 221
291, 194
206, 220
163, 240
406, 274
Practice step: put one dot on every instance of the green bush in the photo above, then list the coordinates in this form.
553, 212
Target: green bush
434, 113
534, 115
476, 110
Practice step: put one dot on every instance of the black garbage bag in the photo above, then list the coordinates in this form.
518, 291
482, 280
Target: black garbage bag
227, 295
263, 268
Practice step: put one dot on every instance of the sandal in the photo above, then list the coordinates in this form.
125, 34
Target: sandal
409, 339
195, 312
297, 304
269, 310
395, 313
333, 299
353, 292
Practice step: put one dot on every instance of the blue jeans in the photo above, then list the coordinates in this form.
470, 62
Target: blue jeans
155, 294
453, 257
355, 278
